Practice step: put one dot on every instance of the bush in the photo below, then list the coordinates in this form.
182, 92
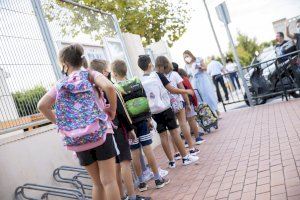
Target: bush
26, 101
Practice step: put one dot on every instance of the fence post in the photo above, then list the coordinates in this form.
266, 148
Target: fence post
38, 10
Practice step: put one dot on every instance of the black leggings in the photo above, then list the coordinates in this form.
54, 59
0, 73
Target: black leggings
219, 79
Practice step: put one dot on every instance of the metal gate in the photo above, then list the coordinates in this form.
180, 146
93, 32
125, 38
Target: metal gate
31, 32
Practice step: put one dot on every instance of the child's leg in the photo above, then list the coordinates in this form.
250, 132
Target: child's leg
136, 154
184, 127
174, 146
98, 190
127, 177
178, 141
119, 180
108, 178
194, 126
143, 163
151, 158
164, 138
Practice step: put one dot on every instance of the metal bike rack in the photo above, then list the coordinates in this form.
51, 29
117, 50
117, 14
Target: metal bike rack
48, 191
79, 173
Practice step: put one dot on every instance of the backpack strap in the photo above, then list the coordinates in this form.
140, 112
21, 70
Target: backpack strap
123, 104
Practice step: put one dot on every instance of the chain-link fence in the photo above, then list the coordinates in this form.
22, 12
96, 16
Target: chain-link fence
31, 32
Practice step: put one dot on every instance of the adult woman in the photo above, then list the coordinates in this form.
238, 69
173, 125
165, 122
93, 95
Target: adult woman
200, 80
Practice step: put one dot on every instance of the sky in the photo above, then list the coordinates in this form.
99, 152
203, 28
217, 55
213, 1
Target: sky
251, 17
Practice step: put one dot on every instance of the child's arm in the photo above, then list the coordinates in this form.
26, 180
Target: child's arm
174, 90
185, 96
101, 81
45, 107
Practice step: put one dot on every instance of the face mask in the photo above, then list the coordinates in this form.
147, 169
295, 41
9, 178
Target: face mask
109, 76
188, 59
65, 73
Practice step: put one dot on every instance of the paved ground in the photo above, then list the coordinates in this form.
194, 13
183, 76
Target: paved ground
255, 154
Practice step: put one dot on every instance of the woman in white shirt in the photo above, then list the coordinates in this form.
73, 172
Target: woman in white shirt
231, 69
200, 80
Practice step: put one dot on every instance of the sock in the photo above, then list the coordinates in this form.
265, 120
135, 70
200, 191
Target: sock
157, 176
186, 157
132, 197
141, 179
172, 161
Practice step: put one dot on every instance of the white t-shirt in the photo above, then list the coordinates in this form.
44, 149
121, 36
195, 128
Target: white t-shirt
175, 79
231, 67
214, 68
191, 68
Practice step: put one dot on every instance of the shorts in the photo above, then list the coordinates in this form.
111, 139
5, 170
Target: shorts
191, 113
143, 136
123, 146
103, 152
165, 121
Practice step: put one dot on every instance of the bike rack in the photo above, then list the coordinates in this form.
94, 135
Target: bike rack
74, 180
48, 191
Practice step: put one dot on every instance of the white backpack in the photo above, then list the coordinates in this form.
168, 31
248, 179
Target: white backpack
157, 94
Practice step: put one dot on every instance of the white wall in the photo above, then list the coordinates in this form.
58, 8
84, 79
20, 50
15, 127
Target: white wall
135, 48
8, 109
31, 158
160, 48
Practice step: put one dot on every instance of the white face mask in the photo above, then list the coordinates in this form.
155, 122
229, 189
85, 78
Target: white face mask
188, 59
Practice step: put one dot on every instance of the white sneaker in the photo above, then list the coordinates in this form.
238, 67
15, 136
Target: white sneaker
172, 164
163, 172
189, 159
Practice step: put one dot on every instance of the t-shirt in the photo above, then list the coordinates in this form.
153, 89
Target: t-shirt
163, 79
214, 68
230, 67
175, 79
187, 85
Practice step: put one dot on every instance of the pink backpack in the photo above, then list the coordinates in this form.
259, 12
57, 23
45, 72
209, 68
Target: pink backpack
79, 118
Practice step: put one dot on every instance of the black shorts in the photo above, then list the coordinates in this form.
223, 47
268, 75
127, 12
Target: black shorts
143, 135
165, 120
103, 152
123, 146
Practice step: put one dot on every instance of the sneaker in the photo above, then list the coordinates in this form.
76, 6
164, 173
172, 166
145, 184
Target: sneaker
199, 140
190, 159
162, 172
186, 145
194, 151
172, 164
143, 187
201, 133
138, 197
161, 183
177, 156
125, 198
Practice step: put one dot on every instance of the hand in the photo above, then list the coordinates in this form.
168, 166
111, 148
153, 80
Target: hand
150, 125
190, 92
111, 113
131, 135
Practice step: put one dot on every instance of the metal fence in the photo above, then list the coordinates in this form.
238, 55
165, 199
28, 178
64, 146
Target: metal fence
31, 32
265, 79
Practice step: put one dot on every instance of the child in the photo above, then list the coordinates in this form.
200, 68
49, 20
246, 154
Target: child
178, 103
122, 133
191, 115
119, 71
156, 86
82, 122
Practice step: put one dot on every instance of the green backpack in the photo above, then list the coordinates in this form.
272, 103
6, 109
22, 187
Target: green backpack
134, 96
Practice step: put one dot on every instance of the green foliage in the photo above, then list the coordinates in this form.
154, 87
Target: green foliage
151, 19
26, 101
246, 48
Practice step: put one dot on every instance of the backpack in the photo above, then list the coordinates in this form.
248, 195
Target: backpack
157, 94
176, 103
80, 120
135, 98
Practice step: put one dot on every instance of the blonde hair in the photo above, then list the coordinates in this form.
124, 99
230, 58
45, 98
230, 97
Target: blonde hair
99, 65
119, 68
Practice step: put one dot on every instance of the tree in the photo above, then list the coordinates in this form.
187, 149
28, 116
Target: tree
151, 19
